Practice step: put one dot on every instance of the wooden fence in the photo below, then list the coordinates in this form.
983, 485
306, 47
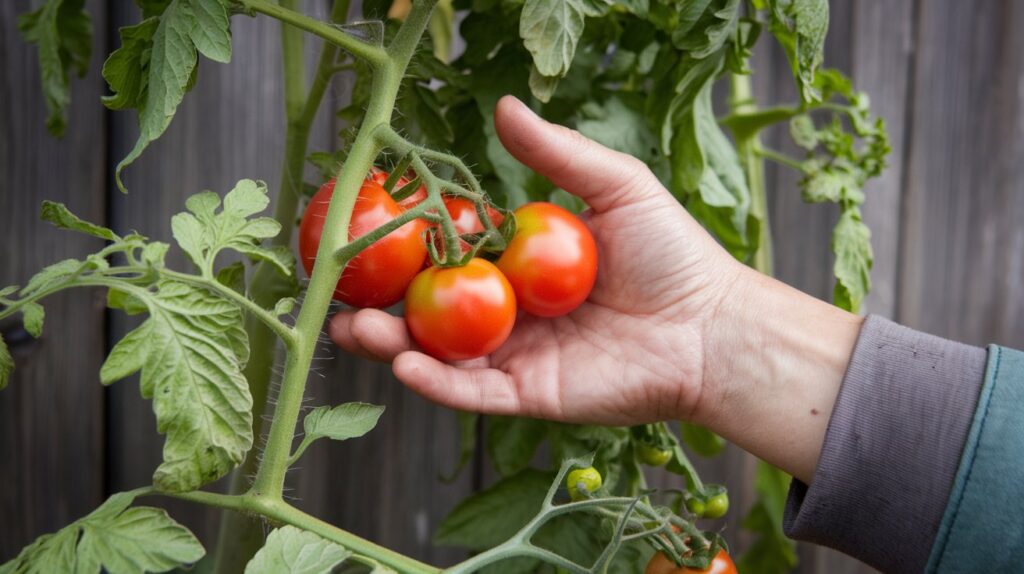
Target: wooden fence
946, 219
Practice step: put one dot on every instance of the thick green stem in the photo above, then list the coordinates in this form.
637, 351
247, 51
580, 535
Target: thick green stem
387, 79
748, 145
358, 48
241, 537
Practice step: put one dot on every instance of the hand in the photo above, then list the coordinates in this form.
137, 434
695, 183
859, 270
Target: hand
635, 352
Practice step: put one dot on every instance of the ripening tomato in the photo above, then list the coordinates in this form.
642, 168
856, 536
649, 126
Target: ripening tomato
380, 176
458, 313
379, 275
661, 564
551, 261
465, 217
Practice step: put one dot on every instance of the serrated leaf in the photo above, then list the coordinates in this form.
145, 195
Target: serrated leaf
550, 30
232, 276
52, 275
289, 550
113, 538
6, 364
826, 185
185, 28
154, 253
851, 243
772, 552
118, 299
328, 163
32, 315
204, 232
617, 125
342, 422
542, 87
489, 517
60, 216
127, 68
62, 31
190, 351
281, 257
512, 441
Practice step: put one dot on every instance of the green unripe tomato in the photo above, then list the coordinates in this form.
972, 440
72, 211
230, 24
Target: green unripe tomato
652, 455
717, 506
587, 478
696, 506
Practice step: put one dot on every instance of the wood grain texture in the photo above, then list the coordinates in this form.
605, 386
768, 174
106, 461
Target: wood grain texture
946, 222
52, 414
961, 261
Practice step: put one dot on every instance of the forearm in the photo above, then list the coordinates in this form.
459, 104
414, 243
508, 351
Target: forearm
773, 368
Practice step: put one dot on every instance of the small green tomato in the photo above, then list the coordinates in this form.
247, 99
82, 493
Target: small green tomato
583, 479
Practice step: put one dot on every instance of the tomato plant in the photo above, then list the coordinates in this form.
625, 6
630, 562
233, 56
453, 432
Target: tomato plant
379, 276
636, 76
661, 564
458, 313
551, 261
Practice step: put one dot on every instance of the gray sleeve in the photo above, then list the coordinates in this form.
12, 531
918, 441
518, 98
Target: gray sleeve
892, 448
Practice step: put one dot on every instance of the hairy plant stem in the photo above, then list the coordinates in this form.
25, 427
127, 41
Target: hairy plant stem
240, 536
267, 489
748, 146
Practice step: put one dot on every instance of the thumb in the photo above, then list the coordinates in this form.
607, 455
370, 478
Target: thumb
601, 177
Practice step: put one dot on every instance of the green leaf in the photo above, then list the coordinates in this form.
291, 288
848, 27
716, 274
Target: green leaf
542, 87
190, 351
708, 178
127, 68
551, 30
772, 552
61, 217
828, 185
185, 27
620, 126
52, 275
131, 305
32, 315
851, 243
289, 550
489, 517
512, 441
802, 129
204, 232
701, 440
328, 163
63, 32
113, 538
705, 26
6, 364
467, 444
800, 27
342, 422
233, 276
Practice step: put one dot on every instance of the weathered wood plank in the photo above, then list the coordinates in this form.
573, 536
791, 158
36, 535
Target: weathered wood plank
962, 245
51, 415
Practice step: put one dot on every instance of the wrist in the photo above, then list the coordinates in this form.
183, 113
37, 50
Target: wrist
773, 364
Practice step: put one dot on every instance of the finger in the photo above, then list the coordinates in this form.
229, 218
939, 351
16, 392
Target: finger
481, 390
600, 176
371, 333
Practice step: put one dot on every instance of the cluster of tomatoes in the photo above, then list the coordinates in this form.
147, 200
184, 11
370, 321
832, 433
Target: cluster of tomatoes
457, 312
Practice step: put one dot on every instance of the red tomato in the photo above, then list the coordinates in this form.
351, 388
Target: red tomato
379, 275
551, 261
380, 176
465, 218
661, 564
458, 313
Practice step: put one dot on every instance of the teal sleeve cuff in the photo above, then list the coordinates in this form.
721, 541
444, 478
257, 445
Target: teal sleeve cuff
982, 528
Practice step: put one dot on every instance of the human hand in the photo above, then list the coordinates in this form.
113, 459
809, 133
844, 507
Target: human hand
635, 351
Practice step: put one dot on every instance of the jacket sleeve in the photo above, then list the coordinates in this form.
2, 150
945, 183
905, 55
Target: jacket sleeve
892, 449
982, 528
